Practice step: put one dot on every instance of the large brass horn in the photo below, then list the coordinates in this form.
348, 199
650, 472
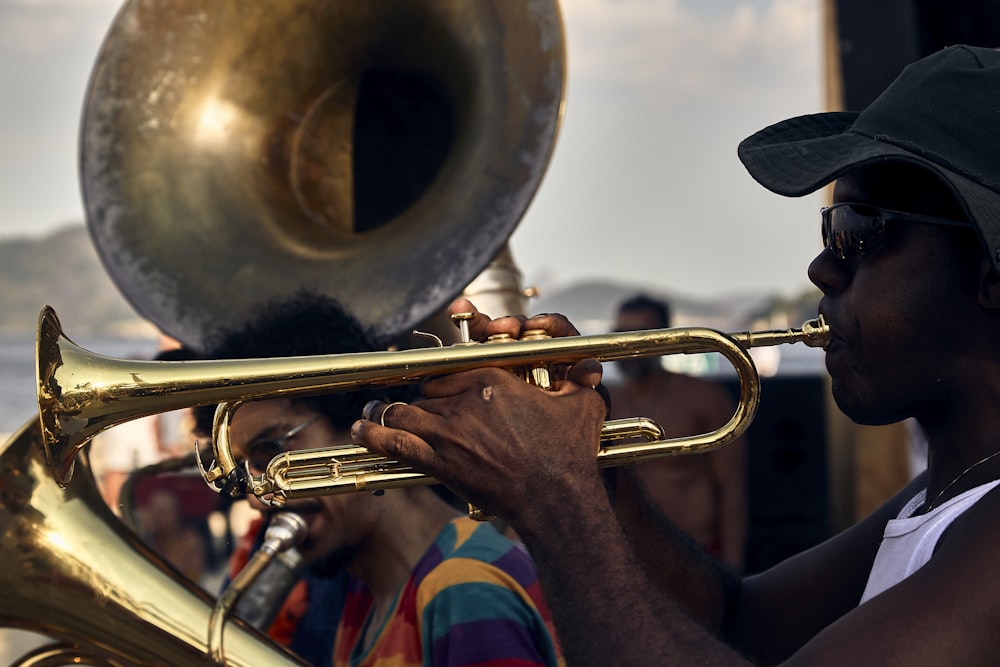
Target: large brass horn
380, 151
70, 569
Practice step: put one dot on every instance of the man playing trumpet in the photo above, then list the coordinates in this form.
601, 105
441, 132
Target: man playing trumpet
910, 276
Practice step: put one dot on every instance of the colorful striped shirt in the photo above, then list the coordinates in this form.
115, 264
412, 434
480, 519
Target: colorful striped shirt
474, 599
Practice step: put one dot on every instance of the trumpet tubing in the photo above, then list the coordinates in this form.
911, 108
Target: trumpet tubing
81, 393
342, 469
347, 468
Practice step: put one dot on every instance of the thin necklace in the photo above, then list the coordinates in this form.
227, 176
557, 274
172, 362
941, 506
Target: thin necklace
952, 483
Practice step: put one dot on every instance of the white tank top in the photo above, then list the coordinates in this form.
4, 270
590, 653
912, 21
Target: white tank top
909, 541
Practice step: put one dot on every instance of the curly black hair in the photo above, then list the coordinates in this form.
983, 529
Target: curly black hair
304, 324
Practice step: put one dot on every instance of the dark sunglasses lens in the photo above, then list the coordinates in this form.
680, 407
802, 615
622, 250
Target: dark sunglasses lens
850, 230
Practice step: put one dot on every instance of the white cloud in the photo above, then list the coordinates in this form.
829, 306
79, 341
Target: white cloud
639, 41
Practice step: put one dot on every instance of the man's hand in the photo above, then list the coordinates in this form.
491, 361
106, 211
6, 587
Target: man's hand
497, 441
481, 326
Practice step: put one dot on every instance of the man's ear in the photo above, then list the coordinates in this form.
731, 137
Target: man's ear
989, 285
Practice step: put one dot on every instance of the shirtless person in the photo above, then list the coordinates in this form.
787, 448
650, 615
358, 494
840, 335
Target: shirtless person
704, 495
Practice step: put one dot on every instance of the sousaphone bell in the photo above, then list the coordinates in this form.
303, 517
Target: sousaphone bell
380, 152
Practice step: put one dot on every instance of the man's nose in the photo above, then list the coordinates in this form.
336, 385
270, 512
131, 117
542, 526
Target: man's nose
829, 273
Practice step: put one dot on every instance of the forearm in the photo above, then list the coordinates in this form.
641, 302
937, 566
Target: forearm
606, 610
729, 466
676, 565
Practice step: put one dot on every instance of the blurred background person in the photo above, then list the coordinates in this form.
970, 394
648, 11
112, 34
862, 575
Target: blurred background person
704, 495
173, 535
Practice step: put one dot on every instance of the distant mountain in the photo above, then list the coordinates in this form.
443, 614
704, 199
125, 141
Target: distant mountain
63, 270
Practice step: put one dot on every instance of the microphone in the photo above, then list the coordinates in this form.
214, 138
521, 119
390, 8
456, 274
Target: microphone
260, 602
284, 532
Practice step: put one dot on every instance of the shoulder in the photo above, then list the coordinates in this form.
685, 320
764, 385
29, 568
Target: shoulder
944, 613
487, 583
845, 561
974, 532
475, 564
670, 384
473, 550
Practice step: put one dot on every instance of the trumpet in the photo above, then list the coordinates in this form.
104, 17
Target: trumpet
82, 393
349, 468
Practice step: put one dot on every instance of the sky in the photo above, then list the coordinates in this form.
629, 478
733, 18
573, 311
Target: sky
644, 185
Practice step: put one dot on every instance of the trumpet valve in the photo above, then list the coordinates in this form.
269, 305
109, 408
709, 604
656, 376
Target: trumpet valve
461, 320
538, 374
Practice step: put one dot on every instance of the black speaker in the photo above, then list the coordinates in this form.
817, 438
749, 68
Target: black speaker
787, 473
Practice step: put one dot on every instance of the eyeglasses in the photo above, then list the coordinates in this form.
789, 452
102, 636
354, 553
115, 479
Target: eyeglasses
261, 452
850, 229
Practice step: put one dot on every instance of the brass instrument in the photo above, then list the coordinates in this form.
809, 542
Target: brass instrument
269, 583
81, 393
72, 570
229, 154
58, 654
347, 468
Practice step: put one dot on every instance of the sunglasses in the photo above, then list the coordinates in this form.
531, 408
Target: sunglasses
851, 230
260, 452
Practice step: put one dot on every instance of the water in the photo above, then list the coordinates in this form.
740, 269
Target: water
18, 402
